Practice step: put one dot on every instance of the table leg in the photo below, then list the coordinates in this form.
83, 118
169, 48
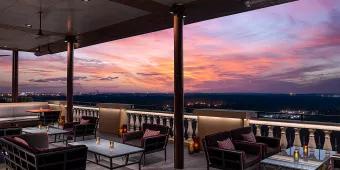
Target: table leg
126, 159
95, 157
111, 163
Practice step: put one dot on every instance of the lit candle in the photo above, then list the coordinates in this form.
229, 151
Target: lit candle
305, 151
191, 148
111, 144
39, 126
98, 141
296, 155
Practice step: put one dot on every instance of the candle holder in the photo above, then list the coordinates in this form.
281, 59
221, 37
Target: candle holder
98, 140
39, 126
47, 128
191, 148
296, 156
305, 151
197, 144
111, 145
123, 130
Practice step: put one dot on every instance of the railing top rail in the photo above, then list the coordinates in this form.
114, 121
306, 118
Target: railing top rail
297, 124
167, 114
79, 107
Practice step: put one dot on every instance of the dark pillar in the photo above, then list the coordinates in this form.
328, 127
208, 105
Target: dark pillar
178, 13
70, 48
15, 70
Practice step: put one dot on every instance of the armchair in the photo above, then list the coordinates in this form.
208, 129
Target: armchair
82, 130
245, 155
270, 145
150, 144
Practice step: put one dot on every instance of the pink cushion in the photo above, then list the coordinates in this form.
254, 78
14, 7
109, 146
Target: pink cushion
149, 133
226, 144
84, 121
250, 137
20, 140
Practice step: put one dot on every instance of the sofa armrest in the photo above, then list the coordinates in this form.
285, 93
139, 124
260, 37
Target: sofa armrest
232, 157
159, 141
271, 142
247, 147
132, 135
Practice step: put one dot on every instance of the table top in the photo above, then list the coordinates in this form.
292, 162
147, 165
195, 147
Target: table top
118, 150
315, 159
40, 110
50, 131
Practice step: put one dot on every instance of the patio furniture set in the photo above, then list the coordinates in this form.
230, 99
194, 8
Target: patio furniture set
29, 147
240, 149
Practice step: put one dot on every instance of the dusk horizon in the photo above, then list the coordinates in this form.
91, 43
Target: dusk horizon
284, 49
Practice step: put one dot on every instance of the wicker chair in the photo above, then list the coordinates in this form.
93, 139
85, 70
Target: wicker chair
82, 130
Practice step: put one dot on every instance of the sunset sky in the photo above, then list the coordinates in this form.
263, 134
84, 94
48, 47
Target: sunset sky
288, 48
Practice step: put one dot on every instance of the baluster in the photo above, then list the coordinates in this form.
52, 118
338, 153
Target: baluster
283, 140
311, 143
194, 127
164, 121
297, 141
129, 119
140, 121
327, 145
171, 126
151, 119
158, 120
134, 116
145, 118
186, 125
258, 130
270, 131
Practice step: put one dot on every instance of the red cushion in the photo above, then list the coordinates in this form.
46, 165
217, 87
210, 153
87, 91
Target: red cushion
226, 144
250, 137
84, 121
149, 133
20, 140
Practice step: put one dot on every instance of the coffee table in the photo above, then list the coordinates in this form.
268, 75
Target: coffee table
118, 150
316, 159
52, 131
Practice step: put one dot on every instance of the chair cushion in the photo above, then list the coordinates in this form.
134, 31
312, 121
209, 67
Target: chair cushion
20, 140
135, 142
250, 137
149, 133
84, 121
226, 144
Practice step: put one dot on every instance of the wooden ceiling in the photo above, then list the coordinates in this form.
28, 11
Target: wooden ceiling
99, 21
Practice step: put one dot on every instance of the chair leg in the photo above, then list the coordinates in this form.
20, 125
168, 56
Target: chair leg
165, 155
143, 159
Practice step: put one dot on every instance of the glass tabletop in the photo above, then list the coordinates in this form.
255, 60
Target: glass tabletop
314, 159
104, 148
49, 131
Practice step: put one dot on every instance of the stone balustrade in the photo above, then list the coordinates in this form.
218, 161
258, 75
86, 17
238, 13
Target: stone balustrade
79, 111
137, 118
297, 133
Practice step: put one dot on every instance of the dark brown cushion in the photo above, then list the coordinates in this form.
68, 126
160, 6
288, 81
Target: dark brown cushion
251, 159
135, 142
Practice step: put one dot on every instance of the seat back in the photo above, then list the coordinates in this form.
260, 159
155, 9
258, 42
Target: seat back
237, 133
211, 140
